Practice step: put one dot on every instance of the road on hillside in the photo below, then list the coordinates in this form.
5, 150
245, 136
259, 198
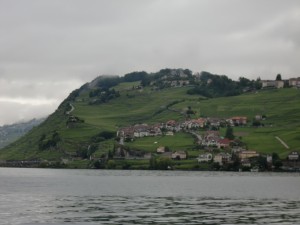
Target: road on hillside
71, 110
282, 142
198, 136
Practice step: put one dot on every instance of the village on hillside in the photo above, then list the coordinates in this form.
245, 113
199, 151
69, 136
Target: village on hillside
215, 150
227, 152
223, 152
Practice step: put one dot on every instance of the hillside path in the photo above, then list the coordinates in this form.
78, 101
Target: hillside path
282, 142
198, 136
71, 110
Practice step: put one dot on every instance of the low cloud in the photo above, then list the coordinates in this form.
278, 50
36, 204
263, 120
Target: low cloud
20, 112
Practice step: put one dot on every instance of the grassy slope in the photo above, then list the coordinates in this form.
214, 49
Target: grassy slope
181, 141
282, 108
27, 148
135, 106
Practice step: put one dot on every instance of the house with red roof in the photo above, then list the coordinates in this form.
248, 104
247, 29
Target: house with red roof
223, 143
238, 120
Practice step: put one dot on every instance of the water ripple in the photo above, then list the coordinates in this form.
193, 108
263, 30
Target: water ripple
88, 197
153, 210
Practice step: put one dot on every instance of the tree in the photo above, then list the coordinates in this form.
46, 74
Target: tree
152, 163
258, 84
277, 163
135, 76
111, 164
126, 165
260, 161
98, 164
275, 157
189, 112
91, 149
244, 82
229, 133
278, 77
55, 137
256, 123
110, 154
164, 163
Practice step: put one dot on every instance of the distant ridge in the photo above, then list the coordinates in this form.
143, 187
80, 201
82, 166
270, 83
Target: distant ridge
10, 133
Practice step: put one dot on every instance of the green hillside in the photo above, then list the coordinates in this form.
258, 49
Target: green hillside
85, 124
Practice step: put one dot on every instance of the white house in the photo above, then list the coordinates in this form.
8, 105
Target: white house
272, 83
160, 149
222, 158
293, 156
205, 157
294, 82
179, 155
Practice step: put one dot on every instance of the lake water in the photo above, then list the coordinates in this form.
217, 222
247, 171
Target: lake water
88, 197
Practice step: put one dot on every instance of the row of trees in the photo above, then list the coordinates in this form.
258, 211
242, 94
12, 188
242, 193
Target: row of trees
211, 85
87, 150
49, 142
103, 95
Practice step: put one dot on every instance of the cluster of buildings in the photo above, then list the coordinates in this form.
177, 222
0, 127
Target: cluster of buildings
292, 163
245, 157
139, 131
229, 150
292, 82
171, 126
272, 83
213, 139
223, 158
176, 83
174, 78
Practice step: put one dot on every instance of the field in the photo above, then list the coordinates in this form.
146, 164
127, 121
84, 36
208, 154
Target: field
180, 141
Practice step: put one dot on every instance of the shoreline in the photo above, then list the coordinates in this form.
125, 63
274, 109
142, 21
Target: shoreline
58, 165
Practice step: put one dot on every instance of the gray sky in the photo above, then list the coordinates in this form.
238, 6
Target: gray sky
48, 48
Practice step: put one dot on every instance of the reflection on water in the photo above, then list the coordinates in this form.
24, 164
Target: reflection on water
151, 210
88, 197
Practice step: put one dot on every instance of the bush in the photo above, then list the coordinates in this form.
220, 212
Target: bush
111, 164
102, 136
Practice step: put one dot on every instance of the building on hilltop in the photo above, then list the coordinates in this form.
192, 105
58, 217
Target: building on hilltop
294, 82
272, 83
